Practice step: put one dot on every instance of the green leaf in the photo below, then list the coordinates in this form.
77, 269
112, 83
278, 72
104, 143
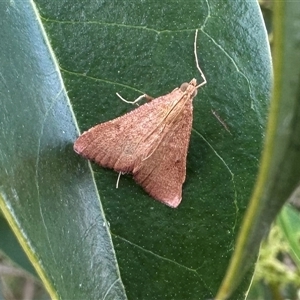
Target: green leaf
289, 222
279, 171
137, 47
47, 192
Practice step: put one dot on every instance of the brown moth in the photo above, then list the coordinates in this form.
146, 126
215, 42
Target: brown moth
150, 142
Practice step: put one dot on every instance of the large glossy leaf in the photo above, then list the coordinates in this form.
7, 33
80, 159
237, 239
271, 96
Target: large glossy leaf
135, 47
279, 172
47, 193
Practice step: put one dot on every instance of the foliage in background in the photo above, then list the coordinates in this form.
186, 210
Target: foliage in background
277, 275
278, 268
279, 173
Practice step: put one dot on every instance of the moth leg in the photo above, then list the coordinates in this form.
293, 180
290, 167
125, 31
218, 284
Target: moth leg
117, 184
148, 98
118, 180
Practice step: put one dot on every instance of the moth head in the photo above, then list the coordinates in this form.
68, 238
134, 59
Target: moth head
190, 87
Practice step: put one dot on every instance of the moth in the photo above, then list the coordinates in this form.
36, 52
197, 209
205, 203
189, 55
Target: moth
150, 142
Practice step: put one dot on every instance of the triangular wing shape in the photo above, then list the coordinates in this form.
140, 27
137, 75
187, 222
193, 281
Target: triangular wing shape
151, 142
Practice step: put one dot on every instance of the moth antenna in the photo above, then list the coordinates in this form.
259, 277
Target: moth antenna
197, 62
132, 102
